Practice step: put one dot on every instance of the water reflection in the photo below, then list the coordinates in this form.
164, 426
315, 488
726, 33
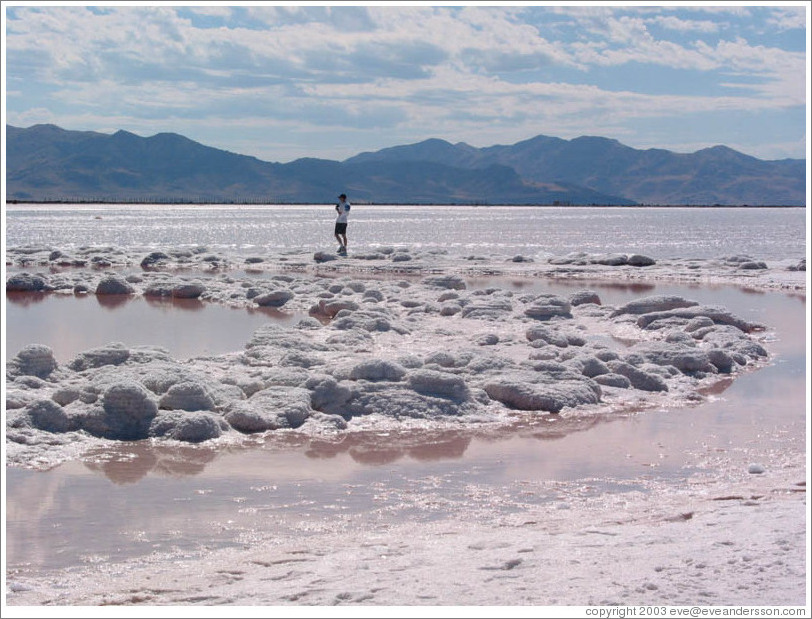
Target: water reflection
171, 303
71, 324
25, 299
113, 301
129, 463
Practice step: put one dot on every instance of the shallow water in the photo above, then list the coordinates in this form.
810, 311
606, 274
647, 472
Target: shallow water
762, 233
144, 499
184, 327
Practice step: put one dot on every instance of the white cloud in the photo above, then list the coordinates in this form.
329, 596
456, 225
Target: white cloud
788, 18
474, 72
686, 25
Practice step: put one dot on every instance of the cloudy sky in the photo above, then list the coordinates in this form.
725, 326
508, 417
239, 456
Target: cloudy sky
281, 81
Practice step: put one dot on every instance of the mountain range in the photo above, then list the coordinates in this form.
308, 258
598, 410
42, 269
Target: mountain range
47, 163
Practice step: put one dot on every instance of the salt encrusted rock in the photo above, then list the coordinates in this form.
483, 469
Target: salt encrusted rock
637, 260
270, 409
722, 361
190, 290
300, 359
647, 305
254, 260
319, 421
373, 295
554, 368
275, 298
332, 308
700, 322
756, 469
800, 266
65, 395
154, 259
547, 306
543, 352
489, 339
645, 381
16, 399
548, 335
612, 260
613, 380
717, 314
187, 396
577, 258
158, 289
736, 260
34, 360
589, 366
279, 338
541, 392
411, 362
25, 282
446, 359
450, 309
377, 369
681, 337
453, 282
606, 355
489, 309
365, 320
328, 395
128, 409
439, 384
584, 296
686, 359
321, 256
30, 382
113, 285
111, 354
185, 426
49, 416
732, 341
753, 265
396, 401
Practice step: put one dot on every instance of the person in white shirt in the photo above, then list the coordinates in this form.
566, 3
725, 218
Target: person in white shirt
343, 210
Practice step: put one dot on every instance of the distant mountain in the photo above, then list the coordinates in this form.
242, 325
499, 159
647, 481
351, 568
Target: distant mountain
47, 163
717, 175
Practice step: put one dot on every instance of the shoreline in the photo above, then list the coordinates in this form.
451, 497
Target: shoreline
362, 203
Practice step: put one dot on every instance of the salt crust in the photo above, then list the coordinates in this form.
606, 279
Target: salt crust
382, 341
732, 537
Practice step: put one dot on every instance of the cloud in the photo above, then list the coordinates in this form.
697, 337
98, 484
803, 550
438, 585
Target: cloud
686, 25
392, 71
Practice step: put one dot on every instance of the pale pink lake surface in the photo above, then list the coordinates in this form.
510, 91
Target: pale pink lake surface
163, 499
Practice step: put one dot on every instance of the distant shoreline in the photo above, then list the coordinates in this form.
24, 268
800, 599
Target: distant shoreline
427, 204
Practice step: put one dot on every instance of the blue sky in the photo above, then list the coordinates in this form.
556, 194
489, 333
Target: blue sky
281, 81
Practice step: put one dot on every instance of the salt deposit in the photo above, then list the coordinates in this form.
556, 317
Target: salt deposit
425, 347
396, 336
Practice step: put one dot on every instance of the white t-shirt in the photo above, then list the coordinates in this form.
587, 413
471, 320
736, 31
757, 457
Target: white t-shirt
343, 209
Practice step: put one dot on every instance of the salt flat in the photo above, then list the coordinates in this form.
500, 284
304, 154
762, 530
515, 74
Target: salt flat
395, 338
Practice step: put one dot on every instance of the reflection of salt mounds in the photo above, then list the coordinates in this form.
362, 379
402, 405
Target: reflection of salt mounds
431, 350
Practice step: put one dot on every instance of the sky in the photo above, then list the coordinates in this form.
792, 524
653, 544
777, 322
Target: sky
280, 81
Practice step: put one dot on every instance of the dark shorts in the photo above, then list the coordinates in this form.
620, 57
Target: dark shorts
341, 228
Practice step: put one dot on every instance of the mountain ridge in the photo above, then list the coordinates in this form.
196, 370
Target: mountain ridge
48, 163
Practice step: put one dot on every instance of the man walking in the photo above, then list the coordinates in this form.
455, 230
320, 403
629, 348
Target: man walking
343, 210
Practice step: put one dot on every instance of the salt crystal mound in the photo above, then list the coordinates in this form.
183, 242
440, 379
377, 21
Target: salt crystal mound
424, 350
